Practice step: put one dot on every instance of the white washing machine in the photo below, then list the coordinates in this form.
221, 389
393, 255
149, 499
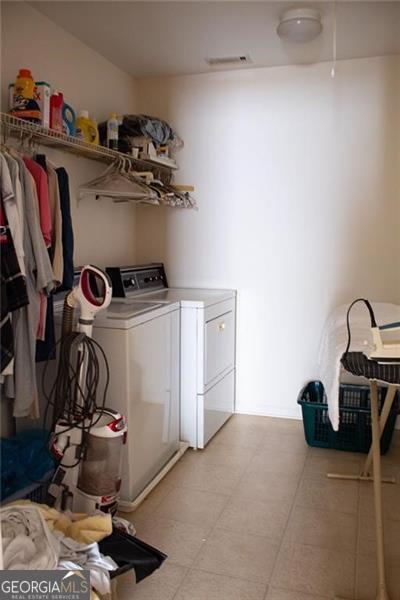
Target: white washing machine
141, 342
208, 345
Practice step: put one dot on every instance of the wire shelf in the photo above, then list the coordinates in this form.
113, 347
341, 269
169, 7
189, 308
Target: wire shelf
47, 137
15, 127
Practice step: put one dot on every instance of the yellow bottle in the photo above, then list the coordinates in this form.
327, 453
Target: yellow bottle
86, 129
24, 105
24, 84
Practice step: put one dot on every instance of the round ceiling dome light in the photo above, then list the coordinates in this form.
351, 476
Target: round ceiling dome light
300, 25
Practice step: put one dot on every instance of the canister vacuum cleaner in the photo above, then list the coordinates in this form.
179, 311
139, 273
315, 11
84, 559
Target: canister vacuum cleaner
88, 438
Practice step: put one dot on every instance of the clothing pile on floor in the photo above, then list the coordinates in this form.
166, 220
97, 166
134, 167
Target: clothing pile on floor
35, 536
36, 258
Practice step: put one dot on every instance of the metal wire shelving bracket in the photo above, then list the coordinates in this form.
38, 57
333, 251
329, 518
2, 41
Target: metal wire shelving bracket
12, 126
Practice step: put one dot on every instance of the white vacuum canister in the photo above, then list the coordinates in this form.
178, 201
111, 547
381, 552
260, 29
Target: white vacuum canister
99, 479
95, 482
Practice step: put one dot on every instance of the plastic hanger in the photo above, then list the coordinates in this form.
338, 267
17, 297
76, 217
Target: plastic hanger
118, 182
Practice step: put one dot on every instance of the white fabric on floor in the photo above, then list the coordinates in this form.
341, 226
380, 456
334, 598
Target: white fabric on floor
29, 544
334, 342
26, 539
74, 555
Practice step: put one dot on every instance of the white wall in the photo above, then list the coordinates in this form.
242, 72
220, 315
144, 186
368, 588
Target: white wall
104, 232
298, 187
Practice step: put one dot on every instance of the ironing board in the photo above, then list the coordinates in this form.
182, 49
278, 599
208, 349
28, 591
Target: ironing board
359, 364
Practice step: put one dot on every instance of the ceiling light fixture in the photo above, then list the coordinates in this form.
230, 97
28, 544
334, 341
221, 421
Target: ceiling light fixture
300, 25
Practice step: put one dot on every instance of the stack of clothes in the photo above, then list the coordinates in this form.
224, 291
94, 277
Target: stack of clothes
35, 536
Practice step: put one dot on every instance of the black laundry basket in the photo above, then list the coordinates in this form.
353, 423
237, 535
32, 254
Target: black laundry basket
354, 433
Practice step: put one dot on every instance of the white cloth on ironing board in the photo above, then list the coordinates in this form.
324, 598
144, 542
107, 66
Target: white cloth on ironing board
334, 342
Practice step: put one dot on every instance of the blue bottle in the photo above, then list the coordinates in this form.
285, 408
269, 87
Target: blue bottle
68, 119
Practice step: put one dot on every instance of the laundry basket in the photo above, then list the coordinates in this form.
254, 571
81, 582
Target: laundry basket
354, 433
26, 466
36, 492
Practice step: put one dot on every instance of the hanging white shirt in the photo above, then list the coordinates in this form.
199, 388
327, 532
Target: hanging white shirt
13, 205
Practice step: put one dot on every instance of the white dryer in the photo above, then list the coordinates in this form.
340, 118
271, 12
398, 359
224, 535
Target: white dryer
208, 345
141, 342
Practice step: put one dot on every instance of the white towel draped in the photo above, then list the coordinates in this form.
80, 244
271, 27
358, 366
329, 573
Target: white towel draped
334, 342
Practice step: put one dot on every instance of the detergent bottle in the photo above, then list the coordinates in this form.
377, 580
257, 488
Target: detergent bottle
68, 119
86, 129
56, 104
42, 95
24, 104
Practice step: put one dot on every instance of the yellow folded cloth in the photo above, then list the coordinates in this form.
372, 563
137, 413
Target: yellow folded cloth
88, 529
81, 527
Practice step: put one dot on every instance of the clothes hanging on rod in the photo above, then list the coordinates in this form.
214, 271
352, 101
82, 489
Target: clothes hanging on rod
56, 253
13, 293
14, 208
42, 190
33, 220
45, 349
67, 231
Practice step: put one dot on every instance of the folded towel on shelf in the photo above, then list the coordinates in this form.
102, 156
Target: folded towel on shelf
334, 342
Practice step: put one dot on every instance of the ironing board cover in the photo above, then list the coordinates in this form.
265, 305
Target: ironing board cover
359, 364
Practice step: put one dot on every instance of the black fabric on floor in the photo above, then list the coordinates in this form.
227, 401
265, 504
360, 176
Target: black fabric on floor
131, 553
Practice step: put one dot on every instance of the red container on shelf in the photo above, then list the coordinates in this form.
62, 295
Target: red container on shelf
56, 105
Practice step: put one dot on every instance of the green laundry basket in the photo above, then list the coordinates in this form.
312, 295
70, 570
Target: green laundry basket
354, 433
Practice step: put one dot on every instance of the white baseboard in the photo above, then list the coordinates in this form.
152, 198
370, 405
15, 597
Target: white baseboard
267, 413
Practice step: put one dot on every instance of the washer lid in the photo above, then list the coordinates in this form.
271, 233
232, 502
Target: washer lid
127, 310
194, 297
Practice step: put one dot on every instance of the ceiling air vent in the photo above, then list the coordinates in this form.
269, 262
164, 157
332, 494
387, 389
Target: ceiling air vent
228, 60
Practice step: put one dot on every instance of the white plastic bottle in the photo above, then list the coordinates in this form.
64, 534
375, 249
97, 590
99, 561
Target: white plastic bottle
112, 132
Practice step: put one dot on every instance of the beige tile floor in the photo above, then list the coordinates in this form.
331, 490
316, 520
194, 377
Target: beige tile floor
253, 517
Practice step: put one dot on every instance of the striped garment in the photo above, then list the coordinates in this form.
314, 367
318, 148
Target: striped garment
359, 364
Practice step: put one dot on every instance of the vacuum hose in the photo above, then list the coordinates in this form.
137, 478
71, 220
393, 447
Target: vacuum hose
68, 314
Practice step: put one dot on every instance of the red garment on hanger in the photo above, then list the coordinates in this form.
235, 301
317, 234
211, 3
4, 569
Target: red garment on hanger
42, 186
